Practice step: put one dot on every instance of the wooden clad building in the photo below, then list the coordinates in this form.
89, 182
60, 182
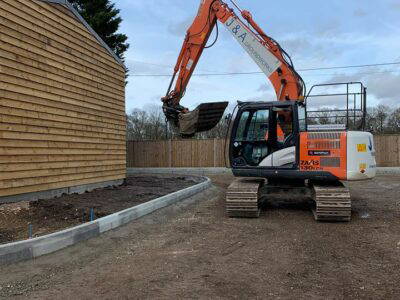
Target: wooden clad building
62, 103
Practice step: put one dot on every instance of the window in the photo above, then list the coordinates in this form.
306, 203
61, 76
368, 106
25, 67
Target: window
240, 133
302, 118
253, 125
258, 125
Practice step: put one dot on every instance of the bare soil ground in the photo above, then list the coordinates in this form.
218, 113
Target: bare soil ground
47, 216
191, 250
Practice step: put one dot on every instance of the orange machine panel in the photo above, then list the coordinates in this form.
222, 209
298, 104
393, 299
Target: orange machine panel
324, 151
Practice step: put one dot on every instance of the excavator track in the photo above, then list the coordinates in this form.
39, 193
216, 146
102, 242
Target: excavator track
242, 198
333, 203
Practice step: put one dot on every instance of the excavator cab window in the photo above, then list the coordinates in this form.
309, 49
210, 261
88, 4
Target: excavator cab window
281, 128
302, 117
250, 136
260, 133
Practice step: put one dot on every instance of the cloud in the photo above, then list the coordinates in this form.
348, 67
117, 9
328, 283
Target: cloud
263, 97
395, 5
138, 67
328, 29
265, 88
296, 45
385, 87
179, 29
319, 47
328, 102
359, 12
382, 86
240, 63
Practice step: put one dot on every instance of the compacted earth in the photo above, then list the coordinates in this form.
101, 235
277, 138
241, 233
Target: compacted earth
191, 250
46, 216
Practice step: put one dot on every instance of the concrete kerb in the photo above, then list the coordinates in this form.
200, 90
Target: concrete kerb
388, 171
29, 249
216, 171
179, 171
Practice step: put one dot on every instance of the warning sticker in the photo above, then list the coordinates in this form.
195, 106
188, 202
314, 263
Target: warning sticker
362, 147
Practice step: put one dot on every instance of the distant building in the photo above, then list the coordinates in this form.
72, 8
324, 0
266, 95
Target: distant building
62, 103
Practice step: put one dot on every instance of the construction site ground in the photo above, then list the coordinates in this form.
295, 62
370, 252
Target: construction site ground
47, 216
192, 250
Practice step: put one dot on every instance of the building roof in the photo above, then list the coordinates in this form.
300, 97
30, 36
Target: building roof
69, 6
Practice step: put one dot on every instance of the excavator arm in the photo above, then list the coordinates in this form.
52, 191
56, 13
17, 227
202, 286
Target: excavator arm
266, 52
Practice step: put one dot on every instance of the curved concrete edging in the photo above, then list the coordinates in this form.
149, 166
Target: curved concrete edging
216, 171
183, 171
388, 171
29, 249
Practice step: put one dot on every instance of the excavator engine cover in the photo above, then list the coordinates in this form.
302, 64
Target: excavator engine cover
205, 117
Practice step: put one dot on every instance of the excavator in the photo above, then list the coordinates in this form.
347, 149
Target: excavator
272, 148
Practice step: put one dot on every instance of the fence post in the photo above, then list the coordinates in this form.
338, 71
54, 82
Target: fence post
398, 150
215, 152
129, 154
169, 142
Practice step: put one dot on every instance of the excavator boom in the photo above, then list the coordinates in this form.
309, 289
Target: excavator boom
265, 52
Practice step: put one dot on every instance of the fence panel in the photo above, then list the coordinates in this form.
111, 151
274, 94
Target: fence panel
148, 154
211, 153
387, 150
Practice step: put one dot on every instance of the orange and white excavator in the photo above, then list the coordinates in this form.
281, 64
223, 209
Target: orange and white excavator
272, 148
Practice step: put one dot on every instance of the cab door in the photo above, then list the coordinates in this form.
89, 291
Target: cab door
248, 145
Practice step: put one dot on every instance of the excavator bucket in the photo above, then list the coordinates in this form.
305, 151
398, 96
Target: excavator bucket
205, 117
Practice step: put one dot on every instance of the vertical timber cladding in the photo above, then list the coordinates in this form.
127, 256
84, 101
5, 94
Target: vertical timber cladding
62, 102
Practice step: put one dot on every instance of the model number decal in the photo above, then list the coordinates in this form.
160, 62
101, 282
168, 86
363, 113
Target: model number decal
310, 165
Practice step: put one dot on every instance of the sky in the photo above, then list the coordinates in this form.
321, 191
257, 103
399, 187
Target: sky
315, 33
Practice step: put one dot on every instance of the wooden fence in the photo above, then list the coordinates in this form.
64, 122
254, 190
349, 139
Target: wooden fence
176, 153
210, 153
387, 150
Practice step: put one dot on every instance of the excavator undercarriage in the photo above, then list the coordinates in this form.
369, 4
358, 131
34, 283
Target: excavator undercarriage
330, 201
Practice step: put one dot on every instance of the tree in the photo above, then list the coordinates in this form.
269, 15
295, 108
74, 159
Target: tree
147, 124
377, 118
381, 115
394, 121
104, 18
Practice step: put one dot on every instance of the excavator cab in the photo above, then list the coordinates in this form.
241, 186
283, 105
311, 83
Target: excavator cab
266, 135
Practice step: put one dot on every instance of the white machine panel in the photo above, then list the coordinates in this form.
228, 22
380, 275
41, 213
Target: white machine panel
267, 62
361, 162
280, 158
